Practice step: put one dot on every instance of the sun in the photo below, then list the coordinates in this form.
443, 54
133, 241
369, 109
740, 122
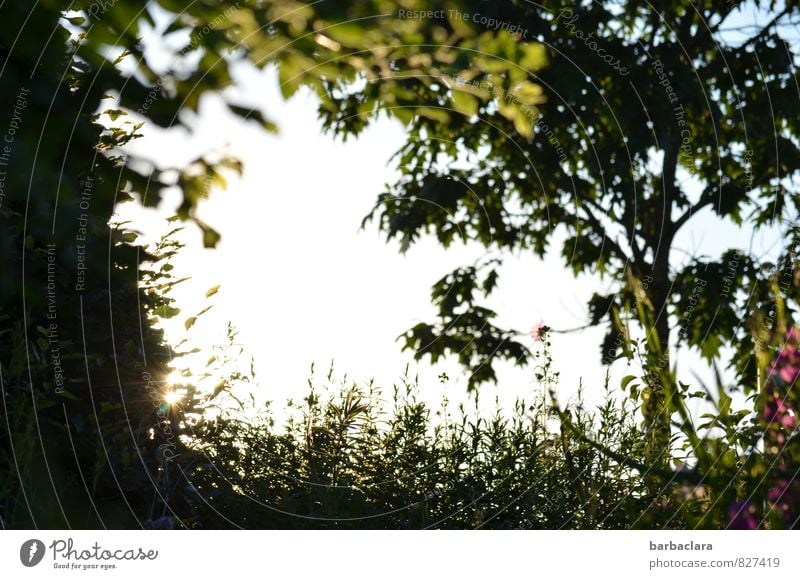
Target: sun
173, 397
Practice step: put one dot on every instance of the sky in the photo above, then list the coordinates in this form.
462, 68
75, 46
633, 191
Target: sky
300, 279
303, 284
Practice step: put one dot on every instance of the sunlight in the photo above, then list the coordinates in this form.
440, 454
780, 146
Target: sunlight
173, 397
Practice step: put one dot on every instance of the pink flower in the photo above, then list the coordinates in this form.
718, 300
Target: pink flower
780, 411
786, 364
788, 373
783, 497
742, 516
538, 331
780, 415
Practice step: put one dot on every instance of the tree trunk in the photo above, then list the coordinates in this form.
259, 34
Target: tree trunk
661, 231
656, 407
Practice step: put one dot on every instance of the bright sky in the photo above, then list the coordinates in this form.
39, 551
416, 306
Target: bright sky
302, 283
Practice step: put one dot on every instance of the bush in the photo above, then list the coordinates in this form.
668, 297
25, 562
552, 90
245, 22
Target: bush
344, 458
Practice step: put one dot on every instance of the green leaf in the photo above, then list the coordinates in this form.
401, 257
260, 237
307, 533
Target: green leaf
534, 56
255, 115
465, 103
290, 76
434, 114
210, 236
114, 114
349, 34
166, 311
523, 125
626, 380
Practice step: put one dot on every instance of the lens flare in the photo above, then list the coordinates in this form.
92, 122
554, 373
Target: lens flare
173, 397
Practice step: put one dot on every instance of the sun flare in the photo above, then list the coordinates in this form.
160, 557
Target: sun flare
173, 397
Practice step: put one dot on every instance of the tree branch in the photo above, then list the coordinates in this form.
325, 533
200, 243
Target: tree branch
769, 25
594, 221
703, 202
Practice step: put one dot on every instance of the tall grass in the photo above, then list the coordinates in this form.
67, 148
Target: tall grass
358, 457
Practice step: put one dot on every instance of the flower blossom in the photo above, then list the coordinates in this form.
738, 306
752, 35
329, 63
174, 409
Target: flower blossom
538, 332
780, 419
742, 516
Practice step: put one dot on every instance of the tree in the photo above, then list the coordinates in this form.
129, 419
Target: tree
466, 78
653, 113
82, 359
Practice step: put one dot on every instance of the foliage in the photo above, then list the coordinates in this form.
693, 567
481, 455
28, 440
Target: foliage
556, 144
81, 348
649, 114
346, 458
587, 168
